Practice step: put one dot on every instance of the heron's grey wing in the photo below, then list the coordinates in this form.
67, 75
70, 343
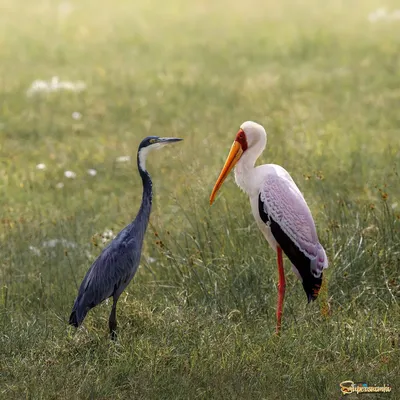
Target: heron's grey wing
111, 271
109, 274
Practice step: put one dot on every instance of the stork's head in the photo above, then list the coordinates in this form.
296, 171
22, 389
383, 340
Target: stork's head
254, 134
152, 143
251, 138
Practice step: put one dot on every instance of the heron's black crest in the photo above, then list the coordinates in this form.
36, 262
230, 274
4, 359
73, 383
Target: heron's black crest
147, 141
150, 140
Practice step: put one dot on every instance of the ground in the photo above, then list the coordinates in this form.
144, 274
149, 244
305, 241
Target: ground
198, 320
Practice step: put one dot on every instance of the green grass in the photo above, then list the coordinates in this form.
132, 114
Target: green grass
199, 321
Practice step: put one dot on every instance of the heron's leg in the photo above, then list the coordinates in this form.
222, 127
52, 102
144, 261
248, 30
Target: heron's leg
281, 290
112, 322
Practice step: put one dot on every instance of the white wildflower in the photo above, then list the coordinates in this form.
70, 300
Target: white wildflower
381, 14
41, 166
378, 14
92, 172
59, 185
123, 159
89, 255
34, 250
370, 230
54, 85
76, 115
107, 235
55, 242
37, 87
70, 174
65, 8
50, 243
395, 14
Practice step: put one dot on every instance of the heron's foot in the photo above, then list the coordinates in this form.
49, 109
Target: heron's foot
113, 335
112, 324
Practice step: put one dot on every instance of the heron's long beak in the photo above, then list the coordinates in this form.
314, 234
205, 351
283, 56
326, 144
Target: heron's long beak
167, 140
233, 157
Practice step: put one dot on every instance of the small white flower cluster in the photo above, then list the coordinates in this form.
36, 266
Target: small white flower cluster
70, 174
49, 244
381, 14
122, 159
54, 85
76, 115
35, 250
107, 235
92, 172
67, 174
65, 8
55, 242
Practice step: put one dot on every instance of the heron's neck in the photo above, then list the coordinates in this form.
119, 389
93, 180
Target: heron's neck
245, 169
147, 197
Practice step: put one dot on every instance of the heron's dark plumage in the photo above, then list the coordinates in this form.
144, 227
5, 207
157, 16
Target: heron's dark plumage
301, 262
117, 264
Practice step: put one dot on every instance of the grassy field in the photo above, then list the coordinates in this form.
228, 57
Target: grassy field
198, 320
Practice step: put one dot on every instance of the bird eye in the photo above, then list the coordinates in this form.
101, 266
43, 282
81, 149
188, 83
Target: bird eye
152, 141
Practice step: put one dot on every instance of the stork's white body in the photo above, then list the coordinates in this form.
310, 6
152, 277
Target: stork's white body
282, 197
250, 180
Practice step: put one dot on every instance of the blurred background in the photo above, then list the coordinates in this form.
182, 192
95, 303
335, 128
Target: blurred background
82, 82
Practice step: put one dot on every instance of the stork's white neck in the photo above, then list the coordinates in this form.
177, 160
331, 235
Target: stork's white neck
245, 175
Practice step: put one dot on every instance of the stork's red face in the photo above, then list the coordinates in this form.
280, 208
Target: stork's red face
239, 146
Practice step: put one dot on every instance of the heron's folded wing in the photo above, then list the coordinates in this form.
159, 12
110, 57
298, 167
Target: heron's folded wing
115, 265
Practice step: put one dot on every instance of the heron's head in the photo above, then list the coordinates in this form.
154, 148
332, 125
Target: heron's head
251, 138
152, 143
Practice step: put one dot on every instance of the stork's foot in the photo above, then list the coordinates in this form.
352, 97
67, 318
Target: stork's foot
278, 329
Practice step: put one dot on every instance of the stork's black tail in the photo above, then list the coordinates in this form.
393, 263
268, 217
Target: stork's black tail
312, 286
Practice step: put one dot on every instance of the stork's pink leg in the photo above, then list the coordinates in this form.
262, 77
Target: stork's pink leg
281, 290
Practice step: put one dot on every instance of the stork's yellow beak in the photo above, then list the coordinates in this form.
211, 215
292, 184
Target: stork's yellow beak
233, 157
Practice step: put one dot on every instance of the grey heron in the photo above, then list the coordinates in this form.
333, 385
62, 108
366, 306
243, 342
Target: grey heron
112, 271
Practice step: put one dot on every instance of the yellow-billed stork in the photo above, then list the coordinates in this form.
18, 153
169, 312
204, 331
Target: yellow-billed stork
279, 209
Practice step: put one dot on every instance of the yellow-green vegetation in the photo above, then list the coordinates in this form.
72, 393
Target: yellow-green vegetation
198, 320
